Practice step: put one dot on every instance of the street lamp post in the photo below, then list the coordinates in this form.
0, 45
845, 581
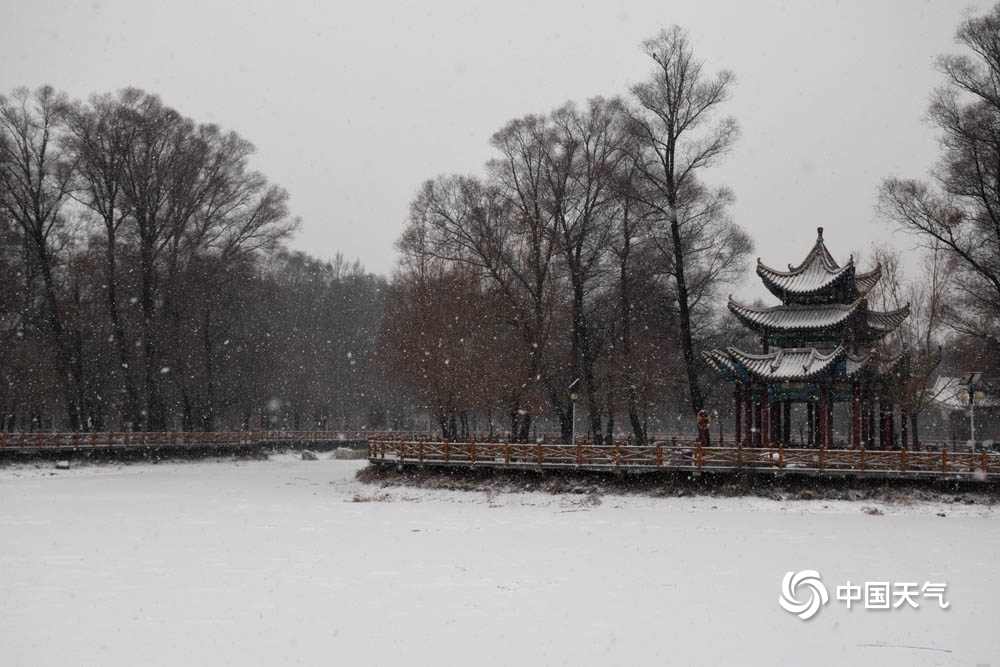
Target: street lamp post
572, 397
972, 379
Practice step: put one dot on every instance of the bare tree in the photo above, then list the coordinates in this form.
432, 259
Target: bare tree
677, 136
580, 169
100, 134
958, 210
36, 174
508, 235
921, 335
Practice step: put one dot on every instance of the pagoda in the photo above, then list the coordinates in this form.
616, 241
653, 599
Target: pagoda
819, 347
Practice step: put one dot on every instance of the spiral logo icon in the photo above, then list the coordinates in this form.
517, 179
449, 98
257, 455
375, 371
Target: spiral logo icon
817, 593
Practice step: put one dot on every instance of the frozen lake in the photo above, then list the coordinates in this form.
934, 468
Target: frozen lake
274, 562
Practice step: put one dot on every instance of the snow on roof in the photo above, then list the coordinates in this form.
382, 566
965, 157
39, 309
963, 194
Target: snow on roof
801, 317
817, 273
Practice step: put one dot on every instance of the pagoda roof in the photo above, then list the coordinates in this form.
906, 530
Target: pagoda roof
785, 364
887, 322
723, 364
818, 317
865, 282
818, 273
794, 317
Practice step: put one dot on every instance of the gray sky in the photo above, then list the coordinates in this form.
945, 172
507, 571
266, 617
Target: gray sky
353, 105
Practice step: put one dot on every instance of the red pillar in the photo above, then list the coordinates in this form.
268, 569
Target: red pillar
786, 422
865, 426
870, 411
765, 417
748, 413
856, 415
737, 414
829, 419
775, 422
883, 428
892, 424
810, 421
822, 416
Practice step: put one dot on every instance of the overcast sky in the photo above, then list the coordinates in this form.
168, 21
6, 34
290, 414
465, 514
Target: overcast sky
353, 105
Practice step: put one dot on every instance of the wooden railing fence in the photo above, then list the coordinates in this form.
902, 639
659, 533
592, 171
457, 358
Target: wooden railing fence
674, 456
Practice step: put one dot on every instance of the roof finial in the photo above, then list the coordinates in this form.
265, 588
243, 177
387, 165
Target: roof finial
819, 233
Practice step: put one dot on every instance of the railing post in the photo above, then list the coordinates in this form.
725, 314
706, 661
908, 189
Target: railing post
618, 454
659, 455
579, 454
985, 461
539, 453
420, 451
781, 455
822, 457
506, 452
739, 454
472, 451
698, 455
944, 460
902, 459
447, 452
863, 458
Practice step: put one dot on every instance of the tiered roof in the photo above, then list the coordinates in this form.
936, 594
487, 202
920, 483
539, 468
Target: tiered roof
852, 322
821, 329
818, 278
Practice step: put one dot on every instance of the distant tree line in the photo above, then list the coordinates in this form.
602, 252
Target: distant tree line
590, 249
143, 282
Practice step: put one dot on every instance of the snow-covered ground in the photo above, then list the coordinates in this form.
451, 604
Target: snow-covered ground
277, 562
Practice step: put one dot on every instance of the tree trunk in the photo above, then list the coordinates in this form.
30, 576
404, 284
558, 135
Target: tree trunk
155, 413
209, 409
684, 308
64, 355
130, 409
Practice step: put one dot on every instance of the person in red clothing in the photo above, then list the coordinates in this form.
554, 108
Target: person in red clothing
704, 421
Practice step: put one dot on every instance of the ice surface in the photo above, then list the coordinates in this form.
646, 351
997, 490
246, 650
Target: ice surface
293, 562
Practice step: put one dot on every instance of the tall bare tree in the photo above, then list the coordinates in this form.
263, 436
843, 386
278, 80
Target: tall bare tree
36, 173
678, 134
100, 134
581, 166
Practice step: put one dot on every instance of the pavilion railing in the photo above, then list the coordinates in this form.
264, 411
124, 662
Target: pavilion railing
673, 456
44, 440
